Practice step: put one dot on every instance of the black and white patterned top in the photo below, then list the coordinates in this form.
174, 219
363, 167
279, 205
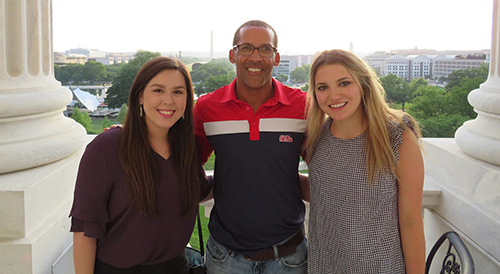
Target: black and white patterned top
353, 225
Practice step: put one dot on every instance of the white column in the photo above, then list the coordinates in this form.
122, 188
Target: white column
33, 130
480, 138
39, 148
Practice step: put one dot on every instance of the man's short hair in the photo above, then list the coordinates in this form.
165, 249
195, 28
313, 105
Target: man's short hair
255, 23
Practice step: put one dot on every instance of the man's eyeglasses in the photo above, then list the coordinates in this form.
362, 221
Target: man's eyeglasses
247, 50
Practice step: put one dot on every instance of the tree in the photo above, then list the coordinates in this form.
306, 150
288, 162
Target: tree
83, 118
457, 97
305, 87
199, 89
282, 78
212, 68
441, 113
307, 67
455, 78
122, 114
106, 123
57, 72
431, 103
396, 89
442, 127
142, 56
94, 72
214, 82
212, 75
416, 83
299, 75
70, 73
112, 71
118, 93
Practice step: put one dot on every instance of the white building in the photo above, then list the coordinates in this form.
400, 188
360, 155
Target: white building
377, 61
420, 66
103, 60
431, 66
289, 63
398, 65
112, 59
443, 65
61, 59
91, 53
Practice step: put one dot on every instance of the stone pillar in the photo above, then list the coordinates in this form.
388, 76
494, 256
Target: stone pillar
39, 148
480, 138
33, 129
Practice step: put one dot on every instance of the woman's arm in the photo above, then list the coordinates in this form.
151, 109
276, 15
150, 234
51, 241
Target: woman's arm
84, 252
210, 196
410, 172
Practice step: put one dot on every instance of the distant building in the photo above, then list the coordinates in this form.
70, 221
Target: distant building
62, 59
420, 66
91, 53
112, 59
103, 60
377, 61
415, 63
446, 64
415, 51
59, 59
289, 63
397, 65
283, 67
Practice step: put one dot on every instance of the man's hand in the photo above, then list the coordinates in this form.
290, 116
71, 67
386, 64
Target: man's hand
113, 126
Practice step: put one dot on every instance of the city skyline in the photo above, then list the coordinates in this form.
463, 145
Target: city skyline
123, 26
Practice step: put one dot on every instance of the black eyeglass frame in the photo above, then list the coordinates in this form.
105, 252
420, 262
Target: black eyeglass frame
256, 48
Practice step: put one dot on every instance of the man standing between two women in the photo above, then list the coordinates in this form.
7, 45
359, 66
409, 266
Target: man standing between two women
256, 127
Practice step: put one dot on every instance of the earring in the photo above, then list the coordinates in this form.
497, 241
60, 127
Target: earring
141, 110
182, 116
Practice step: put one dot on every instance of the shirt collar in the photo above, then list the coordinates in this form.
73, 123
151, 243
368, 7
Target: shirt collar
279, 94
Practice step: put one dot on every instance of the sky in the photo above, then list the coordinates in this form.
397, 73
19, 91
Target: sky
303, 27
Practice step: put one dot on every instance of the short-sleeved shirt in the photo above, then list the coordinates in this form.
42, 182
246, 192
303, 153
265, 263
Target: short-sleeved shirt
353, 224
256, 183
102, 208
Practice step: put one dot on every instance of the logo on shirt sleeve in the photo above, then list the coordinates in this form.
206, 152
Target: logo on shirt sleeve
286, 139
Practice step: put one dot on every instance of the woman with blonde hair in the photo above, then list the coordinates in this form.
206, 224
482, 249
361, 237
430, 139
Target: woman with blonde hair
365, 172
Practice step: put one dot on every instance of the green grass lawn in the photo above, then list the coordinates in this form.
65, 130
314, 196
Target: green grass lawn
209, 165
195, 242
97, 124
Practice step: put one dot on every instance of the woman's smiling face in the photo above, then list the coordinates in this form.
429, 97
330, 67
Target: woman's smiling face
164, 100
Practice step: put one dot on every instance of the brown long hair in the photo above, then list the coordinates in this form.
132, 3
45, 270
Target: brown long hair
379, 154
136, 154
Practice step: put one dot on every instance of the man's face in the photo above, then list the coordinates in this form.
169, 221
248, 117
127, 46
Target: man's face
254, 71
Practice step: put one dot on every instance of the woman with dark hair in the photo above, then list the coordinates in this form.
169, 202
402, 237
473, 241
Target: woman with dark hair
138, 187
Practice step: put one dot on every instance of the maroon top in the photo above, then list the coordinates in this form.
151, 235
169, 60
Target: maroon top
102, 208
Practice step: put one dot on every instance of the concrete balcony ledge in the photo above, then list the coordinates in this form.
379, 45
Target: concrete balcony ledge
468, 203
431, 197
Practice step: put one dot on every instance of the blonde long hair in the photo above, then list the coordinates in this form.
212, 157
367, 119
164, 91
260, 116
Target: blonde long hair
379, 116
